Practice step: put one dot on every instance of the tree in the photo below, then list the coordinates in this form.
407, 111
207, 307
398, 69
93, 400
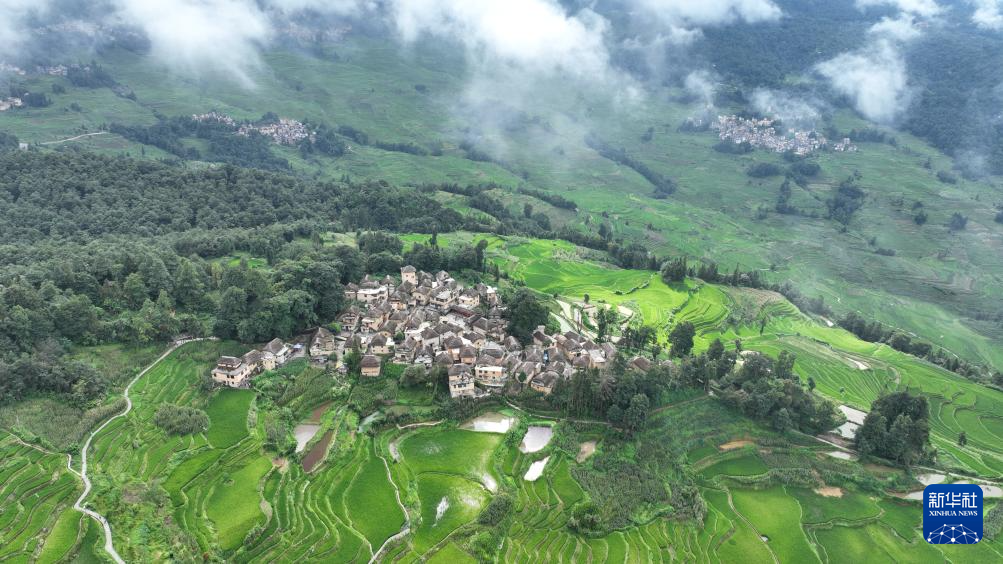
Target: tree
962, 439
607, 319
681, 338
636, 413
135, 290
232, 311
958, 222
525, 313
189, 288
479, 249
614, 414
155, 275
906, 439
413, 376
353, 360
674, 270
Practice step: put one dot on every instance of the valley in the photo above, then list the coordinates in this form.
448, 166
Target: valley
625, 281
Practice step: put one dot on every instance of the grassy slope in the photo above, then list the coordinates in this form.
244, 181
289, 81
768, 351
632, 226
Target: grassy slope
370, 85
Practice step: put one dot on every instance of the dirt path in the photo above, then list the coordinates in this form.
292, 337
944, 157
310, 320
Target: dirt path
552, 418
73, 138
407, 518
109, 545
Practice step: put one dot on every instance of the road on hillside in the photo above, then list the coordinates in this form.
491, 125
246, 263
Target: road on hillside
109, 545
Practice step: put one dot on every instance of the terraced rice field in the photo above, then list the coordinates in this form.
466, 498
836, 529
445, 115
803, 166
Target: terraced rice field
37, 519
226, 494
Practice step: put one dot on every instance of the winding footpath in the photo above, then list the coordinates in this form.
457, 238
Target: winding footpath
109, 545
407, 517
73, 138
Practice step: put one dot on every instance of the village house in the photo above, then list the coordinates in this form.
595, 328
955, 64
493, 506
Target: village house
461, 381
380, 345
279, 352
232, 371
545, 382
322, 345
370, 366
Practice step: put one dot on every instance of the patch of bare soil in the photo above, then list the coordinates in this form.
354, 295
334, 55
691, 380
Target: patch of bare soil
587, 449
829, 491
735, 444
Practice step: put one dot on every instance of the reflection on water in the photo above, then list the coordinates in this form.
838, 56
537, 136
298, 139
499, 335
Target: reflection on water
536, 470
304, 433
491, 422
536, 438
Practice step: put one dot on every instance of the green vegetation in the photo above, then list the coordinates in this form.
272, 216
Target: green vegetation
608, 219
38, 494
228, 412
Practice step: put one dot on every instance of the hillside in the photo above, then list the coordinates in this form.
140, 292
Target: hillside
753, 480
938, 285
451, 281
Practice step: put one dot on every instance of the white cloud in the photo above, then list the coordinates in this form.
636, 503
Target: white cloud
874, 78
531, 34
988, 14
902, 28
201, 36
787, 108
923, 8
336, 7
13, 16
683, 19
701, 84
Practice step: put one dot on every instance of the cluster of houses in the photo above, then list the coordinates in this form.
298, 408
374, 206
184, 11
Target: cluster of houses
434, 321
7, 68
762, 133
214, 117
11, 102
284, 132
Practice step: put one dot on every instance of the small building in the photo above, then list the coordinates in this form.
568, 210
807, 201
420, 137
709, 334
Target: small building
370, 366
461, 381
278, 350
232, 371
545, 382
489, 371
323, 344
640, 363
380, 345
409, 274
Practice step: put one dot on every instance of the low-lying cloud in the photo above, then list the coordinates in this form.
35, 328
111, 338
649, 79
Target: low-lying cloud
14, 15
535, 35
789, 109
682, 20
874, 78
988, 14
201, 36
923, 8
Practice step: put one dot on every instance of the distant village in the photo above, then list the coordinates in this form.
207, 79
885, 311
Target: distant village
762, 134
284, 131
432, 320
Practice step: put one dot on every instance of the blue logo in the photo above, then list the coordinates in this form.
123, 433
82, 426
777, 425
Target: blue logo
952, 514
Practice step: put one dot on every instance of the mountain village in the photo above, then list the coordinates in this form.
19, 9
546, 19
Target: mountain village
433, 321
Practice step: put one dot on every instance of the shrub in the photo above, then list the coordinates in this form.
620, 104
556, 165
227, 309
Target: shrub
496, 510
763, 170
947, 177
181, 420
